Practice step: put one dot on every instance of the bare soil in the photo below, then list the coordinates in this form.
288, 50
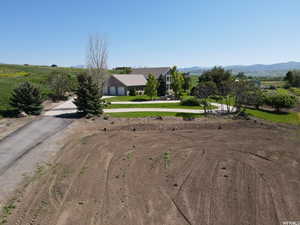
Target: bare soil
146, 171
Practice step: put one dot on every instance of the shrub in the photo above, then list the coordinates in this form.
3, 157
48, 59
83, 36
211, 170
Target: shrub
279, 101
27, 98
192, 101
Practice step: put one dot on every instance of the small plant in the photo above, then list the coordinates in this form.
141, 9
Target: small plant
167, 159
6, 211
129, 155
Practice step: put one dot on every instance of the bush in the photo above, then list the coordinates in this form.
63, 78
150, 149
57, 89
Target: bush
193, 101
279, 101
27, 98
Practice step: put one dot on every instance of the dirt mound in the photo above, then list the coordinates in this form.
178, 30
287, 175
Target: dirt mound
168, 173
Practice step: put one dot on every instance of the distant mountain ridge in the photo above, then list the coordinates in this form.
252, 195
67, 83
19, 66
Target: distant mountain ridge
277, 69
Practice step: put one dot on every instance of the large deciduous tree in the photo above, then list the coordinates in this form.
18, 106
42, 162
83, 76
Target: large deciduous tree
97, 55
177, 81
151, 86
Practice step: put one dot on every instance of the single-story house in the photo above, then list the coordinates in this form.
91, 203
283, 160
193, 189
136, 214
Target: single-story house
120, 84
157, 72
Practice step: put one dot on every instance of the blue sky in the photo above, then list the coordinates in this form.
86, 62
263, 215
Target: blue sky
151, 32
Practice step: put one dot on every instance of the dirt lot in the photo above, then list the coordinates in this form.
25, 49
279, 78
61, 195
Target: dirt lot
167, 173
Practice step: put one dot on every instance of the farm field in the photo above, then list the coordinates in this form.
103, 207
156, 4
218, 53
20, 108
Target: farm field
205, 172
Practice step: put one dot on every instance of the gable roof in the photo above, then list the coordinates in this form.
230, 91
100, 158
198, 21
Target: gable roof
156, 71
131, 79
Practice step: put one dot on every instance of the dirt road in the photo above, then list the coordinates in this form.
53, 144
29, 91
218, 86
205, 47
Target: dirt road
168, 173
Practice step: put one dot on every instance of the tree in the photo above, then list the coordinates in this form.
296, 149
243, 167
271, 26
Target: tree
289, 77
27, 98
162, 87
123, 70
97, 60
247, 94
279, 101
151, 86
241, 76
88, 100
218, 75
293, 78
203, 91
177, 82
187, 82
59, 83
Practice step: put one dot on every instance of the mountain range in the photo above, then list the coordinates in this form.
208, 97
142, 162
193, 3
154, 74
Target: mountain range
278, 69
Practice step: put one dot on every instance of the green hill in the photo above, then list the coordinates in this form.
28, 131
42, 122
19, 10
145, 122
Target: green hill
12, 75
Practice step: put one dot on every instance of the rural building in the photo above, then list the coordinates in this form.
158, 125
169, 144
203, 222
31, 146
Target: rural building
120, 84
157, 72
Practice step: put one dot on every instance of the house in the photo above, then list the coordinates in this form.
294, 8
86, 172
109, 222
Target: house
121, 84
157, 72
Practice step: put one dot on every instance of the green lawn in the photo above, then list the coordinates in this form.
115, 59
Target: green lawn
290, 118
152, 114
155, 105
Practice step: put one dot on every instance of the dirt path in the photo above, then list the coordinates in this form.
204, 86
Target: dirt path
164, 172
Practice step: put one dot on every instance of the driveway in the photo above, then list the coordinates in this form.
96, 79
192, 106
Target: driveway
22, 150
69, 107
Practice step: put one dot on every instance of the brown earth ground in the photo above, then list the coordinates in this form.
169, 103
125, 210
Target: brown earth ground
146, 171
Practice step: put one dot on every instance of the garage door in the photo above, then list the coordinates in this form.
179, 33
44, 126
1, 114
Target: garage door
112, 90
121, 91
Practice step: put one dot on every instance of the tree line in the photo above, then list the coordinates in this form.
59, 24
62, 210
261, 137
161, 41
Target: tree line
220, 84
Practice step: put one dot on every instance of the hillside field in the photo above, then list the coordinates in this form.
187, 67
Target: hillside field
12, 75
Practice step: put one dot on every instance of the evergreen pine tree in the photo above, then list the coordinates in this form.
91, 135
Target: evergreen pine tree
162, 88
88, 100
27, 98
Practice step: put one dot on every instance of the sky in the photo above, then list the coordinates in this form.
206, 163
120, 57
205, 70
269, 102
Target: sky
151, 32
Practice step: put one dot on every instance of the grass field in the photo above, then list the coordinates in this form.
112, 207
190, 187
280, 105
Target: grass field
12, 75
274, 83
152, 114
290, 118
